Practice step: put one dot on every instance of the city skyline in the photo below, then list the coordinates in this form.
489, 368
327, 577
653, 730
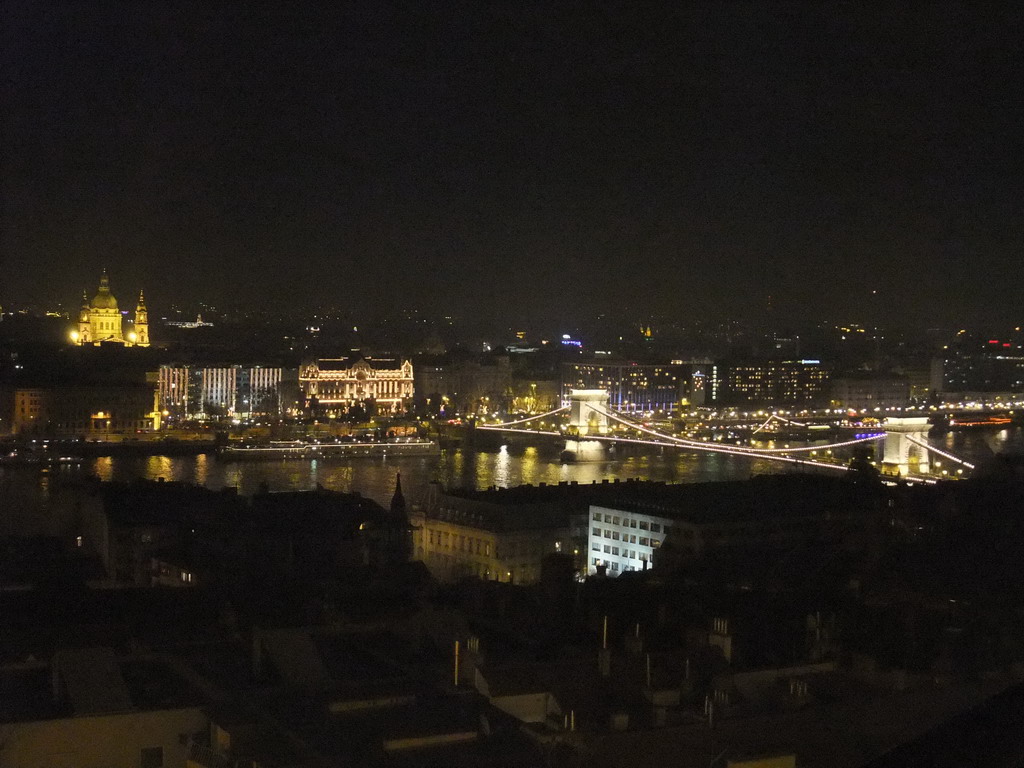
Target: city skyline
707, 161
511, 383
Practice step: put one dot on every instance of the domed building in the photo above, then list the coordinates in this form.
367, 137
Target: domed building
101, 322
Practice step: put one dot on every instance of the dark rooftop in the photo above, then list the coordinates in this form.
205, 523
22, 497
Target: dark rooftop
792, 495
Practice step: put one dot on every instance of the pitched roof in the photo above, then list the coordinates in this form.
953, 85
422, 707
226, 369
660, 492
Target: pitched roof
92, 680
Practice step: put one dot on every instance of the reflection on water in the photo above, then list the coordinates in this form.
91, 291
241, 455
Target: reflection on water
512, 465
158, 467
202, 469
103, 468
375, 477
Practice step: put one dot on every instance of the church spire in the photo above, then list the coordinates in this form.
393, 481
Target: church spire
398, 499
398, 532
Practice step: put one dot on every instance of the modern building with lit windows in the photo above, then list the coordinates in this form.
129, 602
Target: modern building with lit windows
621, 540
676, 523
640, 388
981, 364
776, 383
232, 390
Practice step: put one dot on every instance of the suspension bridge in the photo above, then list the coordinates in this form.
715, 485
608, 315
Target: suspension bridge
588, 425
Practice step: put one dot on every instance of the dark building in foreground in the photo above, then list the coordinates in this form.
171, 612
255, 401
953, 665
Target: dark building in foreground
89, 707
175, 534
683, 523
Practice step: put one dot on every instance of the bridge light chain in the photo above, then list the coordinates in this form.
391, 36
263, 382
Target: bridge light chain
944, 454
710, 448
528, 418
773, 454
741, 449
774, 417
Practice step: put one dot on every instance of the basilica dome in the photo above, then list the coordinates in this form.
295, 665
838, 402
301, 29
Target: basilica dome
104, 299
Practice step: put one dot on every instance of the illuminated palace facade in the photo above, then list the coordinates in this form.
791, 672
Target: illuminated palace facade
332, 386
101, 322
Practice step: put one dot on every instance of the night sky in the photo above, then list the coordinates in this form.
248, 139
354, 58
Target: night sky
520, 158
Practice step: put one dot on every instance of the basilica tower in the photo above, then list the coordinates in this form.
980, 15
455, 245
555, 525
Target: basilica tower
84, 322
141, 323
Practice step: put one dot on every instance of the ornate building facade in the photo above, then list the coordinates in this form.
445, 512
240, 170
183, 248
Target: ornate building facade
101, 322
332, 386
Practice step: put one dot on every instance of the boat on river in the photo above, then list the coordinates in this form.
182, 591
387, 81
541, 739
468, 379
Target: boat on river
297, 449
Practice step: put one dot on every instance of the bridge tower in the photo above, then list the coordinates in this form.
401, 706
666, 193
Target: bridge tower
587, 416
588, 411
899, 450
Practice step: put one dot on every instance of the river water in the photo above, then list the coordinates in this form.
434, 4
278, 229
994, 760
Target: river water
375, 477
